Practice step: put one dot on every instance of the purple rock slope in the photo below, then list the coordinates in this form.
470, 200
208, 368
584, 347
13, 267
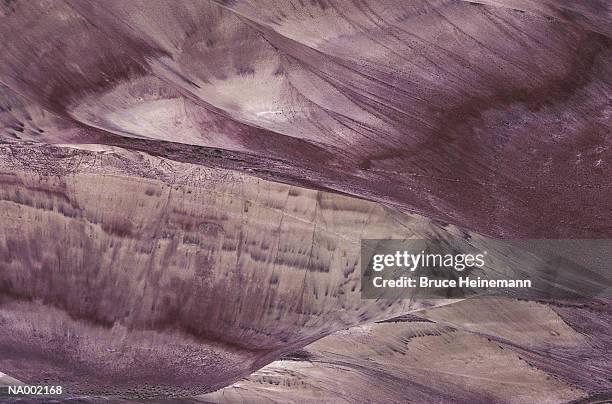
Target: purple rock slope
184, 184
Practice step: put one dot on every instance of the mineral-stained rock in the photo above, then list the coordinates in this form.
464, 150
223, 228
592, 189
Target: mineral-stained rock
473, 113
124, 274
120, 271
478, 350
216, 164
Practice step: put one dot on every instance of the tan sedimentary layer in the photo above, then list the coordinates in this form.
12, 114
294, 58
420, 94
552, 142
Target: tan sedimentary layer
478, 350
129, 268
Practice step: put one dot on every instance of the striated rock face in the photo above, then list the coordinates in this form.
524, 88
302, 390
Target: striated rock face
479, 350
472, 113
128, 275
121, 271
184, 186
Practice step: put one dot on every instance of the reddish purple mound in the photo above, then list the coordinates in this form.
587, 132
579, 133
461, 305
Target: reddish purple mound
492, 117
